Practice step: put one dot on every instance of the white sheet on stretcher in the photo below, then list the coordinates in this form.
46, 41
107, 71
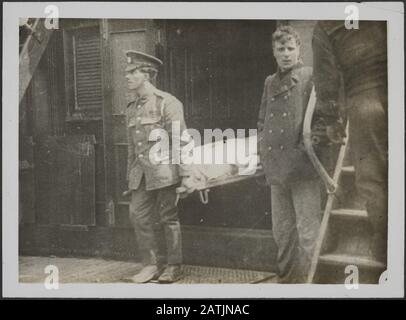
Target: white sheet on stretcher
223, 159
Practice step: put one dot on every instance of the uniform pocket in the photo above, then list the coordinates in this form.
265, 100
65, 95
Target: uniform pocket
151, 120
132, 122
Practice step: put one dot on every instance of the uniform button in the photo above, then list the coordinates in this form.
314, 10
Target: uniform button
137, 131
284, 114
271, 115
138, 106
285, 97
269, 148
139, 143
282, 131
141, 156
270, 131
272, 99
281, 147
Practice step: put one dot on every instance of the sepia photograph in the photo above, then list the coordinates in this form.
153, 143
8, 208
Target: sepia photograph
158, 150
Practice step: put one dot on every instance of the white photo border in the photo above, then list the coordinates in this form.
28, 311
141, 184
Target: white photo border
392, 12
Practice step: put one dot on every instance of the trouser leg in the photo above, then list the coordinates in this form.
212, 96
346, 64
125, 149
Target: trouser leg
168, 213
144, 220
369, 138
284, 232
306, 201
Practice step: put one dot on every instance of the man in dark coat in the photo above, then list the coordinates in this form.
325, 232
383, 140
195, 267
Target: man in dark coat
153, 177
359, 56
295, 187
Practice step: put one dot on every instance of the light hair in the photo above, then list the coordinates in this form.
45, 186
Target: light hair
284, 34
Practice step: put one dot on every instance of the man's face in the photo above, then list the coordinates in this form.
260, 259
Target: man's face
286, 54
135, 79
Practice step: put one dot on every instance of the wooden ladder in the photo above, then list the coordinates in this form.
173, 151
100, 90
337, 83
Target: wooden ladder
31, 53
345, 234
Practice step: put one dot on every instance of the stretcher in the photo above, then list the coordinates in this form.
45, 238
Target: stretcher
204, 188
238, 162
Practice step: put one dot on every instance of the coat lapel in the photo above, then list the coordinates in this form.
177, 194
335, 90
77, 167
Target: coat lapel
286, 82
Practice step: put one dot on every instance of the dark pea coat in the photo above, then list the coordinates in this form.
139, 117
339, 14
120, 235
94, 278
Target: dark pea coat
280, 126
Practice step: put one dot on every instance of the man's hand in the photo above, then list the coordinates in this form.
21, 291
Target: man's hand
336, 132
186, 187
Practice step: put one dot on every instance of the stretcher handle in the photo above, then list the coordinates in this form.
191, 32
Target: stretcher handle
329, 183
203, 194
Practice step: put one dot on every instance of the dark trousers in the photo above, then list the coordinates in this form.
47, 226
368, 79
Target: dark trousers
369, 147
296, 216
154, 216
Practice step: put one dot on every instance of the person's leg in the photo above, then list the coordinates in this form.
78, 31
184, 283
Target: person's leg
284, 232
168, 213
307, 201
369, 138
144, 222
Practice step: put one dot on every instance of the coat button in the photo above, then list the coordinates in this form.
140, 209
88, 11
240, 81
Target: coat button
139, 106
137, 131
281, 147
272, 99
271, 115
139, 143
282, 131
270, 131
269, 148
138, 118
284, 114
141, 156
285, 97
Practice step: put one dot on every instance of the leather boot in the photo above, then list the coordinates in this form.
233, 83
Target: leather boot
148, 273
172, 273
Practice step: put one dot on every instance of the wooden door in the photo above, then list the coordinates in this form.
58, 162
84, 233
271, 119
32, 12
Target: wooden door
118, 37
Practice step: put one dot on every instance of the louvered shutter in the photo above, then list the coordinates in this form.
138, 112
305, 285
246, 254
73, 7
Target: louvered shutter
87, 70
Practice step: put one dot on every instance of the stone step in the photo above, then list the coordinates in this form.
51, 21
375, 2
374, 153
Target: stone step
350, 213
345, 259
348, 170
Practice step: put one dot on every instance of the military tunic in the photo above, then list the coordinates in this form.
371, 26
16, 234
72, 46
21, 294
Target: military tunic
157, 111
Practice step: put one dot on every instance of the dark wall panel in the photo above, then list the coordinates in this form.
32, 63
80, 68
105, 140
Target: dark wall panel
66, 180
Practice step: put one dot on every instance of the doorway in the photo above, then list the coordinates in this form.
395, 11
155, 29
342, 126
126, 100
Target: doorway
217, 68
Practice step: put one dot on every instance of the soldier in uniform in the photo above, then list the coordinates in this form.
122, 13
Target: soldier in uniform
153, 181
358, 58
295, 186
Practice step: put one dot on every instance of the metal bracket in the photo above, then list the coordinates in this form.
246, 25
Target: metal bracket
204, 196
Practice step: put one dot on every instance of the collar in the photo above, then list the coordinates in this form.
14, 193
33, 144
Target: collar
293, 72
285, 81
150, 95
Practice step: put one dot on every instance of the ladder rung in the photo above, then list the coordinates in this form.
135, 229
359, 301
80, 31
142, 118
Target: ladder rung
350, 213
343, 259
348, 170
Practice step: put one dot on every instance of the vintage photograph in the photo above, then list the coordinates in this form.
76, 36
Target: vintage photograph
203, 151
